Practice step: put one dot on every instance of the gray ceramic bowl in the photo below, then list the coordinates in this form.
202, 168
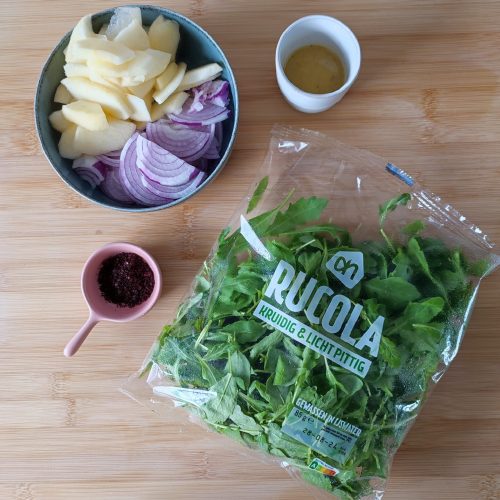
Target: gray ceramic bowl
196, 48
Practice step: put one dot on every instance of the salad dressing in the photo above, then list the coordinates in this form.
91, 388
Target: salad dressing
315, 69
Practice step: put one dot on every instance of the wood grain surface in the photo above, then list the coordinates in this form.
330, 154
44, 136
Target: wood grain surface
427, 99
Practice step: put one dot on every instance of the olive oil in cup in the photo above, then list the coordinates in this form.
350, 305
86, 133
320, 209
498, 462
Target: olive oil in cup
315, 69
317, 61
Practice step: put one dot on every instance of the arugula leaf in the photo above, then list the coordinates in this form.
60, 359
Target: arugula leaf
220, 408
245, 423
390, 205
267, 342
393, 291
389, 352
257, 194
413, 228
239, 366
310, 261
402, 265
298, 213
423, 311
245, 331
416, 253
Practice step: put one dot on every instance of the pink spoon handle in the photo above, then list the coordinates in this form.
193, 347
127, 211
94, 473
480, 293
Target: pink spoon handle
74, 344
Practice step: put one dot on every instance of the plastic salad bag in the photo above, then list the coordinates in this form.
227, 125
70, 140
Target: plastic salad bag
336, 298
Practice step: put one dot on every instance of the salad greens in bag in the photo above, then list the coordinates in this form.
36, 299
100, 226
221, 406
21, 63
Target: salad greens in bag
328, 308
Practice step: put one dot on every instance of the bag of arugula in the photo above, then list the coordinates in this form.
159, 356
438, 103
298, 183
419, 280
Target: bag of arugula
335, 299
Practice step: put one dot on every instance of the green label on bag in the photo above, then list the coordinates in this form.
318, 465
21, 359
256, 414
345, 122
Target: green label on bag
311, 338
326, 439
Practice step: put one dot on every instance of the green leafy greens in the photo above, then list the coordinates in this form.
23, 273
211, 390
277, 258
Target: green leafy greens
258, 373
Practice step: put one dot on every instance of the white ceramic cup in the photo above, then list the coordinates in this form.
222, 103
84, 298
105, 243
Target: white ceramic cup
317, 30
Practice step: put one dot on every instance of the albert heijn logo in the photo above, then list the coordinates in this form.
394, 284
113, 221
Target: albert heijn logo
347, 267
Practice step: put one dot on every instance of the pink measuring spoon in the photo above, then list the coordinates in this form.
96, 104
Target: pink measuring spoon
99, 308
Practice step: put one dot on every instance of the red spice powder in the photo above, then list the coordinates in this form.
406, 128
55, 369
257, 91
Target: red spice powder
125, 279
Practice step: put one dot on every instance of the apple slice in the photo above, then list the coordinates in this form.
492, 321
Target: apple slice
81, 31
140, 111
62, 96
109, 51
86, 114
167, 76
67, 147
164, 35
133, 36
75, 69
171, 105
58, 121
161, 95
142, 89
96, 77
200, 75
106, 69
147, 64
98, 142
112, 101
121, 18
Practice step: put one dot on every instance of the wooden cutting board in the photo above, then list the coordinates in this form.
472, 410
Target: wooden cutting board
427, 99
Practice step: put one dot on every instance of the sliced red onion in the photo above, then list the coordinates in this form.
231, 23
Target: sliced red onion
218, 93
131, 177
87, 177
210, 113
161, 166
90, 169
112, 186
196, 104
111, 159
85, 161
213, 92
212, 153
175, 192
187, 143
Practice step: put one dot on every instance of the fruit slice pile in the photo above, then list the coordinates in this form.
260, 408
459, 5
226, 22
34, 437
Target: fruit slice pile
120, 79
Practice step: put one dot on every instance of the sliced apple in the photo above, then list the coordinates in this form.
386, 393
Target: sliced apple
93, 142
82, 31
147, 64
112, 101
142, 89
161, 95
164, 35
106, 69
200, 75
121, 18
171, 105
148, 99
96, 77
67, 147
140, 111
133, 36
62, 96
167, 76
58, 121
75, 69
86, 114
109, 51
